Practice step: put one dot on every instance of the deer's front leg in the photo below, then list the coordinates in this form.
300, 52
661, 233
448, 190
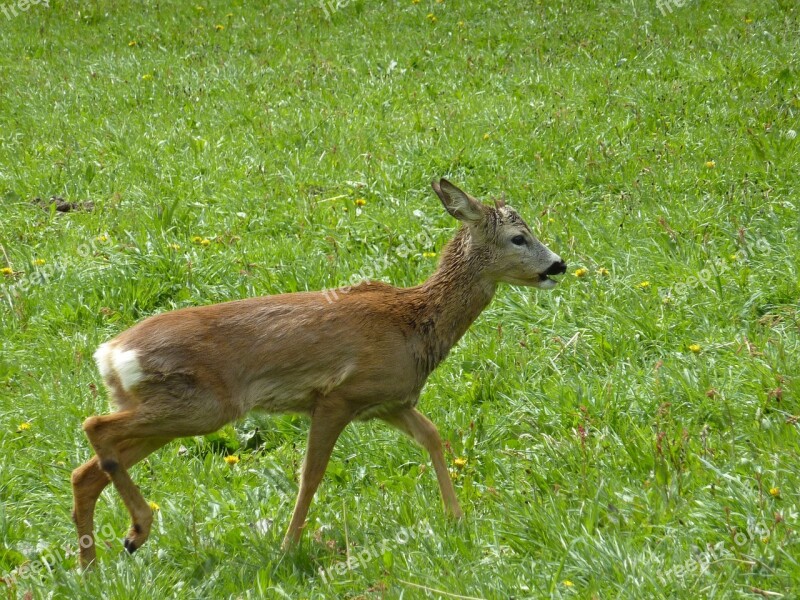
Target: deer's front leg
327, 422
417, 426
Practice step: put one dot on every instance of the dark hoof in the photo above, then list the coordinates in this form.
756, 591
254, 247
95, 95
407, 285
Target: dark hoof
130, 546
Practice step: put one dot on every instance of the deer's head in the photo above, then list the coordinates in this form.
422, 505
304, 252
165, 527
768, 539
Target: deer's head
508, 250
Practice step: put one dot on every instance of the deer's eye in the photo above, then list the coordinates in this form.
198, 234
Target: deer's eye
518, 240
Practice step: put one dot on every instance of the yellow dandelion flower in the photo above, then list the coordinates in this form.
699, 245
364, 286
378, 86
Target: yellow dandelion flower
774, 492
602, 271
39, 262
23, 427
219, 27
431, 17
196, 239
643, 285
486, 136
205, 242
567, 583
748, 20
580, 272
460, 462
101, 238
231, 460
199, 8
175, 247
695, 348
229, 15
439, 1
429, 254
461, 25
147, 77
551, 220
710, 164
734, 256
7, 271
153, 506
360, 202
133, 43
415, 1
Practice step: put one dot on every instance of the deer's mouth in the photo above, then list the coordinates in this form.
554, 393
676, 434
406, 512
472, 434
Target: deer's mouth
546, 282
557, 268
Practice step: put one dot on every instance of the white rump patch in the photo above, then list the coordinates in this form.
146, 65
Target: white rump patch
123, 363
103, 359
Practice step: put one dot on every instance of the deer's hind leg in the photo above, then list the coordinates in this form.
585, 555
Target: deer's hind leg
160, 414
89, 480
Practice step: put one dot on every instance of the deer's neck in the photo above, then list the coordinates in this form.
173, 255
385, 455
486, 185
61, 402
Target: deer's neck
452, 298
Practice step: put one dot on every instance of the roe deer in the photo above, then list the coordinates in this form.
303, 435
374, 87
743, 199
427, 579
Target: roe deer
365, 355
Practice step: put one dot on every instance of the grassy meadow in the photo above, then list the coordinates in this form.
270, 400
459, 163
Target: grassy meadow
632, 433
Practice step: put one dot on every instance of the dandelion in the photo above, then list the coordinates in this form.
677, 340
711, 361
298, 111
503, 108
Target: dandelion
551, 220
643, 285
734, 256
415, 1
602, 271
429, 254
431, 17
231, 460
196, 239
695, 348
486, 136
205, 242
461, 24
199, 8
710, 164
23, 427
460, 462
219, 27
774, 492
101, 238
360, 202
7, 271
133, 43
567, 583
748, 20
229, 15
580, 272
175, 247
439, 1
154, 507
147, 77
39, 262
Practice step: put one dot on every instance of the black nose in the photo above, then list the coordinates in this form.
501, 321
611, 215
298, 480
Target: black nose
557, 268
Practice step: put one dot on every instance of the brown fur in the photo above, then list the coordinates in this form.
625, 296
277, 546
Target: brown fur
365, 354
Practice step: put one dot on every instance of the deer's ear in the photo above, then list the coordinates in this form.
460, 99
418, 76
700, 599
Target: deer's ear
460, 205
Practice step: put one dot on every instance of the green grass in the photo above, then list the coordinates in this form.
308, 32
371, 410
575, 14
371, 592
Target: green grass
604, 456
